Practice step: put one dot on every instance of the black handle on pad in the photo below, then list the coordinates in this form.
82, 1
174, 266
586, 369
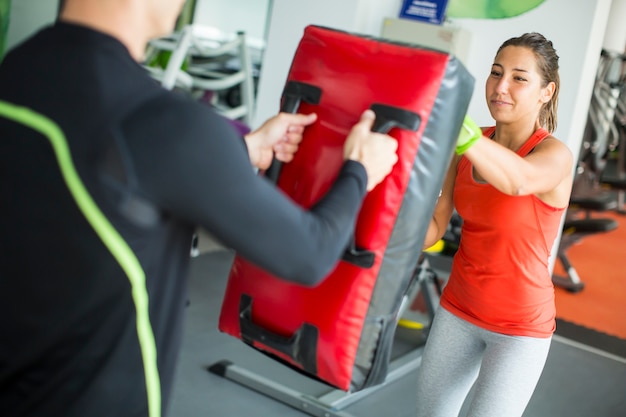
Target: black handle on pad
301, 347
387, 117
293, 94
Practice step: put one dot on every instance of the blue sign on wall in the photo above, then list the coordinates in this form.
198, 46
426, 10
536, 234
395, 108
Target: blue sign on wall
430, 11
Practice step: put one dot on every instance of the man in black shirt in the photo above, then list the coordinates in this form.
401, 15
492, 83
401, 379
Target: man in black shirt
104, 177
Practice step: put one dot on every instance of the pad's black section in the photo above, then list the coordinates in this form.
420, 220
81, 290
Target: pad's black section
301, 346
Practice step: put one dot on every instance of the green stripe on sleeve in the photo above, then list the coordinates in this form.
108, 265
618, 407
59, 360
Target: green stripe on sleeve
109, 236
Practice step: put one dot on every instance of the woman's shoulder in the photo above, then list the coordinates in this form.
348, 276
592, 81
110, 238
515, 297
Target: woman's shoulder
550, 140
556, 148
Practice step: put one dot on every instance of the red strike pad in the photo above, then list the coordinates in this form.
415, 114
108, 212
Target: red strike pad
326, 323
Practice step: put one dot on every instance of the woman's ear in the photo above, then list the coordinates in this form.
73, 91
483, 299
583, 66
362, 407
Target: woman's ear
547, 92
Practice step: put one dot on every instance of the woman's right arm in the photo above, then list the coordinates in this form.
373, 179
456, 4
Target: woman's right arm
444, 208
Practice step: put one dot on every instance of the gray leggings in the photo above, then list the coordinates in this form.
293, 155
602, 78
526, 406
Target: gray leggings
504, 370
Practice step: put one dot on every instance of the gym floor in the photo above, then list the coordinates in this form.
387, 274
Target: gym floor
578, 380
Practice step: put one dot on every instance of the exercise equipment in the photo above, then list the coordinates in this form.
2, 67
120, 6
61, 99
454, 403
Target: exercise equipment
340, 332
321, 400
603, 151
600, 180
580, 223
209, 65
422, 298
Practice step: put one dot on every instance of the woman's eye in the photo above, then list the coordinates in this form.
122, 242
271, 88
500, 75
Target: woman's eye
495, 73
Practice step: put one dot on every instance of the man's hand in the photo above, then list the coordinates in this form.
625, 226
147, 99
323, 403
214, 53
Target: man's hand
376, 151
278, 137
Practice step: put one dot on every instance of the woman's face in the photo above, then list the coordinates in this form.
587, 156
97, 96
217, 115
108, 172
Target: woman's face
513, 88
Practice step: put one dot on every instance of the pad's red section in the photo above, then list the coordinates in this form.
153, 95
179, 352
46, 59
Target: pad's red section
353, 72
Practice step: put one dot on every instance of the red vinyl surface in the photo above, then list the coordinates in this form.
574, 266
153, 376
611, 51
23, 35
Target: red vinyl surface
353, 73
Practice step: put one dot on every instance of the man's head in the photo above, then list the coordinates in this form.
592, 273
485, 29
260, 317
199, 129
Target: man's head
133, 22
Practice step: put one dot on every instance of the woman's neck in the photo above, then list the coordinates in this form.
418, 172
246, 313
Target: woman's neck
514, 135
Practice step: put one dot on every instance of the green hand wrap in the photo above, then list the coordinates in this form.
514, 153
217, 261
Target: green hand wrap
470, 133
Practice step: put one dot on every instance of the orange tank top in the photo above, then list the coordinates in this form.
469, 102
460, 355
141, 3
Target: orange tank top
500, 278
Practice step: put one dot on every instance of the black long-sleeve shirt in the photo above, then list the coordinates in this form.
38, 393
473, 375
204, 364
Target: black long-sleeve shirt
93, 279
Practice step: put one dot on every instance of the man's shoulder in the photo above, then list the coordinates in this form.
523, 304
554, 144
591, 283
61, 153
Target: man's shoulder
165, 107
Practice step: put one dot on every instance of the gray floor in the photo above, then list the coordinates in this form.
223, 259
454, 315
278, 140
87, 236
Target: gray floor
577, 381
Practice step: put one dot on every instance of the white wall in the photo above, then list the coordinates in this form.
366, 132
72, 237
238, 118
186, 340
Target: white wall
615, 37
234, 15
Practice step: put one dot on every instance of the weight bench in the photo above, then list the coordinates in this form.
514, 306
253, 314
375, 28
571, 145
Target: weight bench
577, 228
614, 177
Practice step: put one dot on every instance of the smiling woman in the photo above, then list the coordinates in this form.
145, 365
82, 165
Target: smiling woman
510, 183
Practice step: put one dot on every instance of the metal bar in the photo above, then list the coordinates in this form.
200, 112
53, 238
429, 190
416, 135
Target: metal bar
329, 404
298, 400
